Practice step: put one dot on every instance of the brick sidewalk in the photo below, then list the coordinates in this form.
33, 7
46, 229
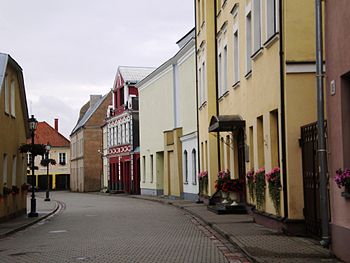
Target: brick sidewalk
259, 243
44, 210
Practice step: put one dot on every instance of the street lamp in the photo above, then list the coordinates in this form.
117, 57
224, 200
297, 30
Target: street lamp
33, 123
47, 148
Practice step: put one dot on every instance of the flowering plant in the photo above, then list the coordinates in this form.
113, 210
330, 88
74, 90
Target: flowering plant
342, 178
273, 179
260, 187
15, 190
226, 184
203, 175
251, 184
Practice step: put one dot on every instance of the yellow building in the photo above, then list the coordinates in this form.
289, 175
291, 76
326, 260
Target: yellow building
168, 138
256, 86
13, 133
59, 174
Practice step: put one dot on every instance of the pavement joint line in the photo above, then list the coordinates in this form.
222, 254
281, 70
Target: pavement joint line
39, 219
204, 223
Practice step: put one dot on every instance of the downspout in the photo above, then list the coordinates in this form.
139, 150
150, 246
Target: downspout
283, 118
216, 87
197, 112
321, 151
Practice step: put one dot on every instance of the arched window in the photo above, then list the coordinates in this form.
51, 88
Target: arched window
186, 166
194, 167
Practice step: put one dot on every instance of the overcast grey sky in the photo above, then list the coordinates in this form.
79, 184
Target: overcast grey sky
69, 49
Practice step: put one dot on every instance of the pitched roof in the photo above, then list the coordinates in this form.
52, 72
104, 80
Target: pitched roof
88, 113
134, 74
46, 134
6, 60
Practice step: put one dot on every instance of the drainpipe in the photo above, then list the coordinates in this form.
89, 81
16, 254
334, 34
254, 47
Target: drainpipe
216, 86
321, 151
283, 118
197, 113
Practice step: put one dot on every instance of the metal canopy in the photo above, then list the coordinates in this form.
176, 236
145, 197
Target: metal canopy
224, 123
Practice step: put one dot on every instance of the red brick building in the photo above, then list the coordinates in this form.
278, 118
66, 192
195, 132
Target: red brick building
123, 131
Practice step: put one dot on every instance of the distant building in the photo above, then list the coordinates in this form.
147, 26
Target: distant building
168, 126
60, 152
13, 133
123, 131
86, 145
337, 42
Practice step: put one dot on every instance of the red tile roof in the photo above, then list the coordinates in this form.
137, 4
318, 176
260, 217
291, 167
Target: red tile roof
46, 134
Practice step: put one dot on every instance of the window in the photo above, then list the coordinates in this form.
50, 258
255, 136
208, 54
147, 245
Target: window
204, 90
235, 57
144, 169
62, 158
123, 133
13, 99
257, 24
14, 170
119, 134
261, 144
46, 156
248, 42
271, 18
121, 96
224, 73
29, 159
127, 132
4, 168
186, 167
151, 163
194, 167
219, 75
200, 86
7, 106
115, 135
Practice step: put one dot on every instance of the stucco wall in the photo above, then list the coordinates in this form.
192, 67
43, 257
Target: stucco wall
13, 129
156, 115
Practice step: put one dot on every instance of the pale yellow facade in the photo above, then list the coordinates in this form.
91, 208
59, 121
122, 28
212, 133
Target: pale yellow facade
249, 86
168, 126
54, 170
13, 133
156, 116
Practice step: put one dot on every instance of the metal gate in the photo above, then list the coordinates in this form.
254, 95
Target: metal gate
311, 182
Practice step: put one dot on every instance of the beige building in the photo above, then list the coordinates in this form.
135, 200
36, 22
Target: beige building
256, 86
86, 145
59, 151
168, 126
13, 133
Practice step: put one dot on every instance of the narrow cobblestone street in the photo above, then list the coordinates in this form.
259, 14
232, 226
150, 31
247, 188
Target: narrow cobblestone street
96, 228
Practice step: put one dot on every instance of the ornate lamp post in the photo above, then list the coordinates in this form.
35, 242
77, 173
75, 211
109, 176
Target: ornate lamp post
48, 148
33, 123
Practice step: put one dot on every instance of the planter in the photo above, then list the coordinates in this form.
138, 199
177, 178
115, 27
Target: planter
234, 197
346, 193
224, 196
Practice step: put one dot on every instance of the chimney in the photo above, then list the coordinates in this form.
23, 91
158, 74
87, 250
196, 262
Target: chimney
56, 124
94, 99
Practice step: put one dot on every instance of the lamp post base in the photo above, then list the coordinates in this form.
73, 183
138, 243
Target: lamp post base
33, 214
47, 196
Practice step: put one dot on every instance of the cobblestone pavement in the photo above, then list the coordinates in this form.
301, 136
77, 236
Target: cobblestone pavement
95, 228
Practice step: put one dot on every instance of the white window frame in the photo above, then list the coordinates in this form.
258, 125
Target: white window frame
152, 168
194, 166
257, 25
13, 99
248, 39
185, 167
271, 22
6, 97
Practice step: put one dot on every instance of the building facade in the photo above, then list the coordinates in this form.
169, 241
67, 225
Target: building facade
122, 122
169, 145
59, 174
14, 132
256, 82
86, 145
337, 42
